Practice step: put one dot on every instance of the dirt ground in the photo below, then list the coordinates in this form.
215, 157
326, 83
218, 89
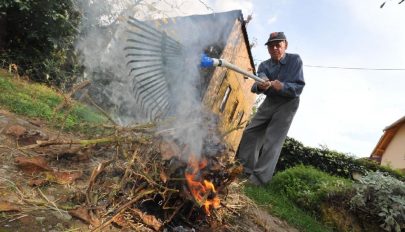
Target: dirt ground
37, 198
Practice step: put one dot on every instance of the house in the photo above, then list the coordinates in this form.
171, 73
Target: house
390, 149
228, 93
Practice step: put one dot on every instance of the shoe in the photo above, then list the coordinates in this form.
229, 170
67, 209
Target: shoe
244, 176
253, 180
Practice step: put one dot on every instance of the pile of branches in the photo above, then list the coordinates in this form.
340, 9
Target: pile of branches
152, 182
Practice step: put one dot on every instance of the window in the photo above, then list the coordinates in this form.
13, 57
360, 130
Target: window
235, 105
225, 99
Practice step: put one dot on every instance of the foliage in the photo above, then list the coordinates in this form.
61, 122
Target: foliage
383, 197
332, 162
36, 100
279, 205
39, 39
307, 186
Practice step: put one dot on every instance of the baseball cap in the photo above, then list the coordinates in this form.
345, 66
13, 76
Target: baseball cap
276, 36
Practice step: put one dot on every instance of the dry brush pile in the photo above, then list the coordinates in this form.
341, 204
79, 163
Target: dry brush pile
145, 181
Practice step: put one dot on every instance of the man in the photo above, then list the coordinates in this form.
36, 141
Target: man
265, 134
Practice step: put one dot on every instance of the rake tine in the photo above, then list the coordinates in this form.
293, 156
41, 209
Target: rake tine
150, 81
142, 49
161, 99
150, 30
149, 55
156, 114
148, 50
145, 66
164, 53
140, 74
153, 104
159, 75
139, 61
152, 45
156, 39
151, 88
140, 92
157, 102
139, 88
144, 36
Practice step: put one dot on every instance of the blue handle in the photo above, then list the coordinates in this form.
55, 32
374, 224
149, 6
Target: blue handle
206, 62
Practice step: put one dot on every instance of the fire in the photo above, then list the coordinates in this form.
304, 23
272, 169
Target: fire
202, 190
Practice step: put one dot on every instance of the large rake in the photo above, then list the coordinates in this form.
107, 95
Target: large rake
150, 53
151, 56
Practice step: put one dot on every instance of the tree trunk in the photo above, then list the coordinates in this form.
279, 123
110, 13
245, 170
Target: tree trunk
3, 31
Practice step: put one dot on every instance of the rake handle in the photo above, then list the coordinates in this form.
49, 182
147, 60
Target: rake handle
208, 62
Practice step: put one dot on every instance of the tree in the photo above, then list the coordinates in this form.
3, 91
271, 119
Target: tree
38, 38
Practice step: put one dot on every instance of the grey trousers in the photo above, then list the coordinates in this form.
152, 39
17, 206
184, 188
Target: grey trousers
267, 132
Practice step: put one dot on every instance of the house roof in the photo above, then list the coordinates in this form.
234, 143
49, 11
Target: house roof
385, 140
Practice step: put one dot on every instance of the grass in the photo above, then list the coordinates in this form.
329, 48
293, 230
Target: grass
39, 101
295, 195
279, 205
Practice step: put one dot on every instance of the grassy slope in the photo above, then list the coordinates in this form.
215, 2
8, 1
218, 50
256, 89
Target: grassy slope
39, 101
279, 205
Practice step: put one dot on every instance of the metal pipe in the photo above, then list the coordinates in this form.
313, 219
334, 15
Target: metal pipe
208, 62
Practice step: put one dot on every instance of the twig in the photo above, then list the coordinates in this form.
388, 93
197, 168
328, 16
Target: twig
51, 202
85, 142
127, 170
19, 217
240, 126
149, 180
100, 168
100, 109
15, 186
232, 210
124, 207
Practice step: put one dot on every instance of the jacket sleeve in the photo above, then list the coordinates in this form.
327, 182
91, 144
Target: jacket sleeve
295, 84
261, 74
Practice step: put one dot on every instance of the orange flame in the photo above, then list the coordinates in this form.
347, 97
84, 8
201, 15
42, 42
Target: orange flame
201, 189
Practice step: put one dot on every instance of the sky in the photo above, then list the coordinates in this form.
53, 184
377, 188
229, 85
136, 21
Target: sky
343, 109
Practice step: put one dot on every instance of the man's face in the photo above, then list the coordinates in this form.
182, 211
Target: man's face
277, 49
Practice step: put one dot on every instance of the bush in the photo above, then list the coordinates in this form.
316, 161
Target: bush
382, 197
307, 186
39, 37
332, 162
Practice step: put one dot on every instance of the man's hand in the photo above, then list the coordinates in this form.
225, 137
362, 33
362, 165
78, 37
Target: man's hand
263, 86
277, 85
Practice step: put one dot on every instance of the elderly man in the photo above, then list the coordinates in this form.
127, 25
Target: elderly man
263, 138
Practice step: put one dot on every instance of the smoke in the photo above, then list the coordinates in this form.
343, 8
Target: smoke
104, 48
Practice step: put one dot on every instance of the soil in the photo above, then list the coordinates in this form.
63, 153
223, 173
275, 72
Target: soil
29, 204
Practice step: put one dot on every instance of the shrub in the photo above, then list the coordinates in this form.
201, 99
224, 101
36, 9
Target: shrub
307, 186
38, 37
332, 162
383, 197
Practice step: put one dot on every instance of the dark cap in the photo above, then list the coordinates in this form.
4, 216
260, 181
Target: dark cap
276, 36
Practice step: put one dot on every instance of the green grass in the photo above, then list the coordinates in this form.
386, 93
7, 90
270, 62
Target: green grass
307, 186
39, 101
279, 205
295, 195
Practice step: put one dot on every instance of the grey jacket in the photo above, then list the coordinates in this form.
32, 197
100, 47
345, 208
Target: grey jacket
289, 71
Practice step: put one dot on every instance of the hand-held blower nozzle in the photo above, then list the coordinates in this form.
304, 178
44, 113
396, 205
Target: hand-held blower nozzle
208, 62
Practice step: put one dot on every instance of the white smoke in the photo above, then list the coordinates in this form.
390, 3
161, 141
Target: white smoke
105, 32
